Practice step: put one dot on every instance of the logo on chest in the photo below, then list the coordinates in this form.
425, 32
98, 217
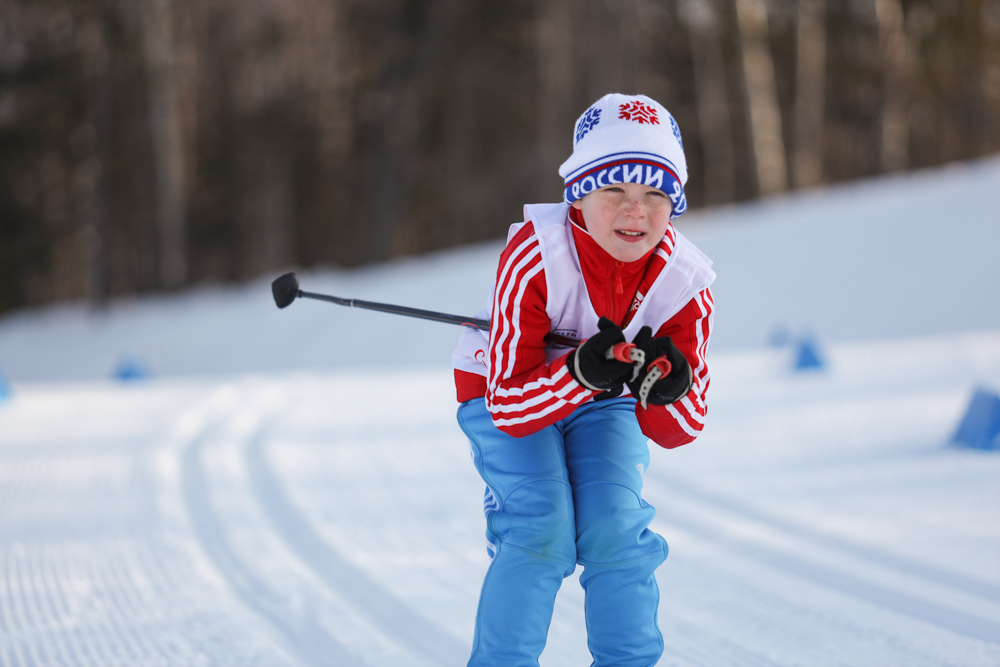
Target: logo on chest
636, 302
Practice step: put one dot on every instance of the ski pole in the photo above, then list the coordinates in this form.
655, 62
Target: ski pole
286, 289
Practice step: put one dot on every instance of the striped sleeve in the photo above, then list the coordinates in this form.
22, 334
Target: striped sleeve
524, 393
678, 424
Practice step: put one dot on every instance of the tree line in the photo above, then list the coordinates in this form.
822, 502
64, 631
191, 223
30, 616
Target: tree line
154, 144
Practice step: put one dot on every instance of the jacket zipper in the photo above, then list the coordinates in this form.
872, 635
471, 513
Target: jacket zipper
615, 286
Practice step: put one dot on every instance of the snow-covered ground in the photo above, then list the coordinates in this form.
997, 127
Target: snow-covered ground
290, 487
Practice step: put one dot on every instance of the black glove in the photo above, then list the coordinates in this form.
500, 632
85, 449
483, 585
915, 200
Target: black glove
669, 388
588, 364
610, 393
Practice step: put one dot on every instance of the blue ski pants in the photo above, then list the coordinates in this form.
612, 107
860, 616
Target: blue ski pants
568, 494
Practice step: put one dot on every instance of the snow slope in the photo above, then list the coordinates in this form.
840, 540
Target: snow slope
914, 254
254, 503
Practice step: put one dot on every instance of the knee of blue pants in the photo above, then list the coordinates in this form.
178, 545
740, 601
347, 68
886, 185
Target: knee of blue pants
538, 517
612, 525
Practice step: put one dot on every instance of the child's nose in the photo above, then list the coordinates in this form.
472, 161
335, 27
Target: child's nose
634, 207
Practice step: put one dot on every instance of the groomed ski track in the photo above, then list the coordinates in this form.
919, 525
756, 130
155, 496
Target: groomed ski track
268, 499
247, 521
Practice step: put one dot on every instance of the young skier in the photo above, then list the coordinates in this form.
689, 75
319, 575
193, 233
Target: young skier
561, 450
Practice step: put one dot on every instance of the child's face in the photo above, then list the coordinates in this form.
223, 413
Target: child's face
626, 219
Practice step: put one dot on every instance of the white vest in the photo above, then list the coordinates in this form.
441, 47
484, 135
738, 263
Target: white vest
687, 272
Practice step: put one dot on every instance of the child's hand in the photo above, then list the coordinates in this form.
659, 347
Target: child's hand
589, 365
672, 386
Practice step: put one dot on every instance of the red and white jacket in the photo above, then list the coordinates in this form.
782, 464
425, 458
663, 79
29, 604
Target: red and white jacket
554, 277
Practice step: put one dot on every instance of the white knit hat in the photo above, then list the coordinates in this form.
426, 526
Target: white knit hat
626, 139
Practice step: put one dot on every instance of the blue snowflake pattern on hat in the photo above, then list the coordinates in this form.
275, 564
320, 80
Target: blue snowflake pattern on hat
590, 118
676, 129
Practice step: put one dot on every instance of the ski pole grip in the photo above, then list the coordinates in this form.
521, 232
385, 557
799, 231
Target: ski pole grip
661, 364
621, 352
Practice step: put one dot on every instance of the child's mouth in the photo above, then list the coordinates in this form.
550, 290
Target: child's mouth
629, 236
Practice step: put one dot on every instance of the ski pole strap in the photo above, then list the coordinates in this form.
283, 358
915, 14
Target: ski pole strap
660, 367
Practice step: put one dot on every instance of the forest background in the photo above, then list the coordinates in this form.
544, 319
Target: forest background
150, 145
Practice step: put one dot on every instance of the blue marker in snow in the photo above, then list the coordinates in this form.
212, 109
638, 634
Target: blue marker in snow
130, 370
980, 427
5, 391
780, 337
807, 356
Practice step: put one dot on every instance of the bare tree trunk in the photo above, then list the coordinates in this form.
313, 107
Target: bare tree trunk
266, 208
407, 129
605, 56
168, 149
896, 56
324, 62
762, 97
711, 101
810, 82
184, 75
92, 174
555, 95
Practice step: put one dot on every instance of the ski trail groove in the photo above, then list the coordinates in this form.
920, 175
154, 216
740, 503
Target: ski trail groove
964, 583
407, 625
304, 636
936, 614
